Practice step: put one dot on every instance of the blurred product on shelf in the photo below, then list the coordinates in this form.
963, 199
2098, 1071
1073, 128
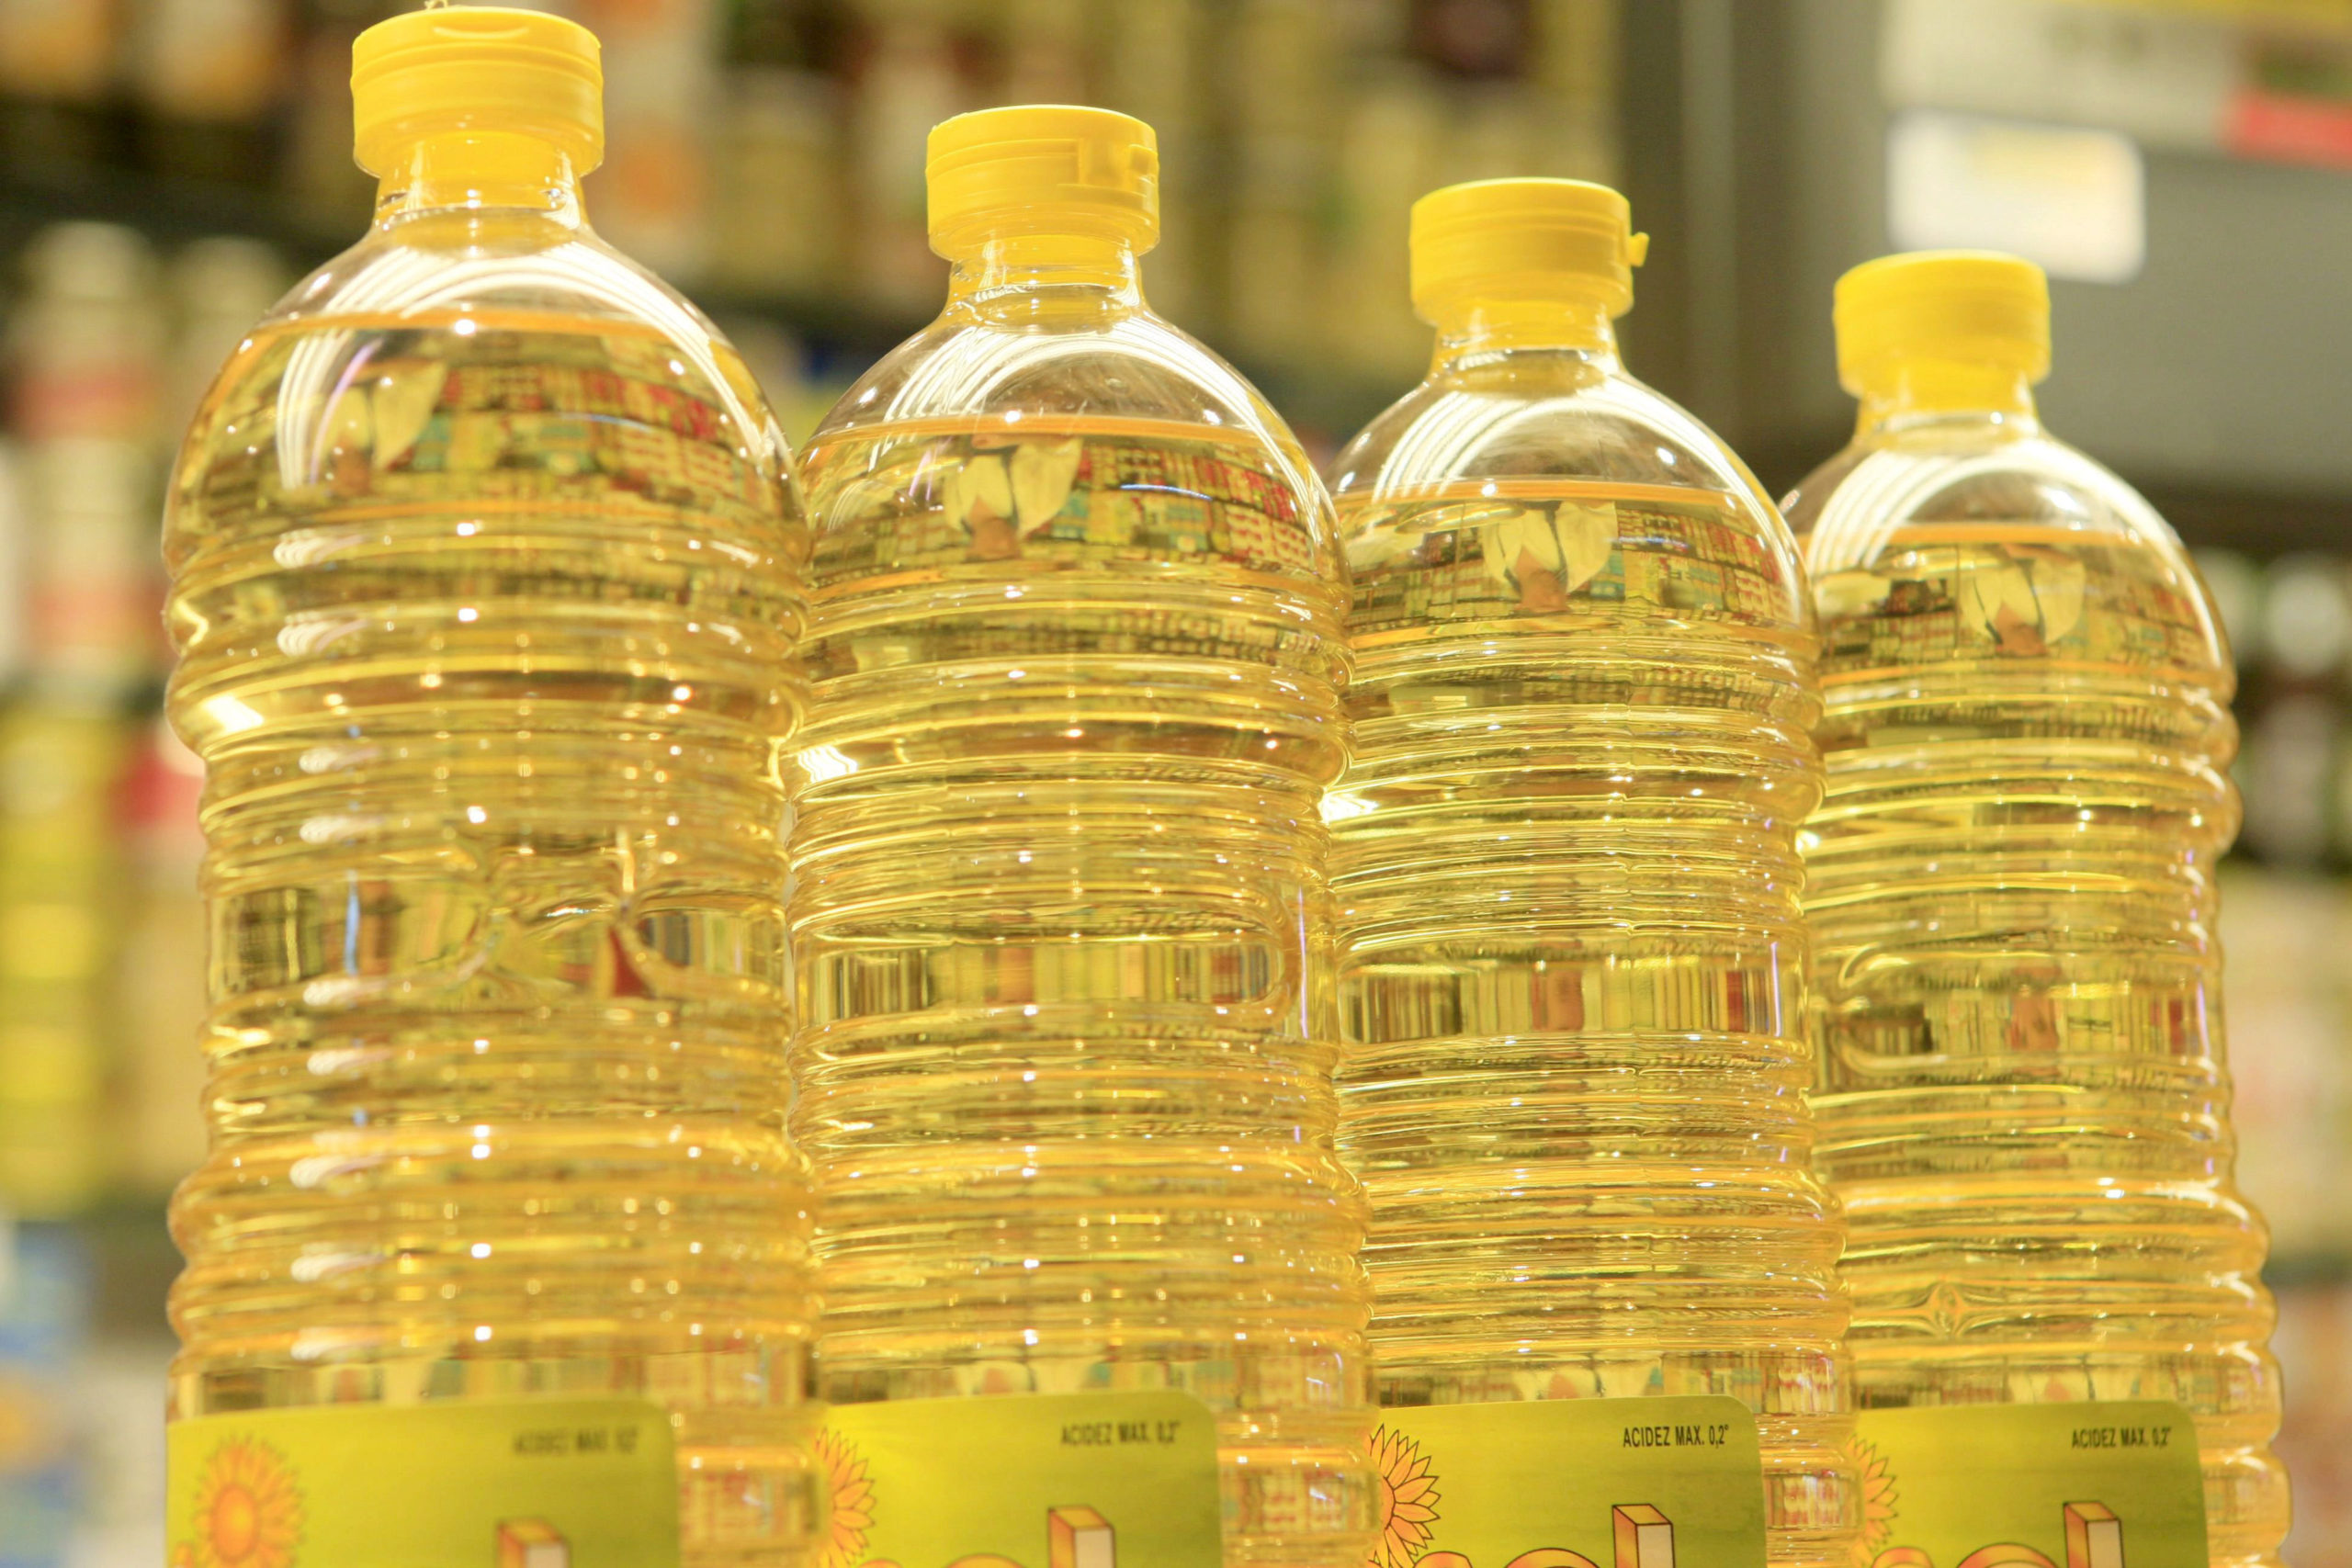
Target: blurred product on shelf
207, 74
2290, 623
663, 103
207, 61
323, 193
778, 185
89, 567
2286, 936
2299, 791
157, 976
1278, 63
44, 1328
85, 346
61, 904
906, 82
2314, 1346
99, 964
16, 500
216, 288
86, 350
58, 52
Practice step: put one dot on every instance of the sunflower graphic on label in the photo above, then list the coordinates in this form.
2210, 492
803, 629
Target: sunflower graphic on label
1409, 1498
851, 1491
248, 1511
1879, 1498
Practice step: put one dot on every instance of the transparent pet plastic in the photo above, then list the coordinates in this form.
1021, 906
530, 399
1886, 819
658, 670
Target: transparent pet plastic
1063, 942
485, 558
2024, 1103
1571, 951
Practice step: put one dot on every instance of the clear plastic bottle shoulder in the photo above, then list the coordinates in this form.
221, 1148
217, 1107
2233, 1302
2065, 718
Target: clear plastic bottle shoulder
488, 270
1542, 419
1069, 355
1944, 476
1539, 414
458, 358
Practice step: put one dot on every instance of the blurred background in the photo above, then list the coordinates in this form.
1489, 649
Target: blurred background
167, 167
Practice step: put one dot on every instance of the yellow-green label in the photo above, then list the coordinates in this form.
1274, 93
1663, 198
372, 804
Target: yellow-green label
1666, 1483
1042, 1481
526, 1484
2032, 1486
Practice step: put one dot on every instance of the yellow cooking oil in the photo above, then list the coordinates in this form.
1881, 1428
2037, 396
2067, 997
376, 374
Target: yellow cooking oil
2024, 1103
1565, 853
485, 562
1066, 1029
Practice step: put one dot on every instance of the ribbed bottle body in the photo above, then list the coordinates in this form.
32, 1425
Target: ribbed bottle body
1063, 940
1572, 955
487, 616
2024, 1100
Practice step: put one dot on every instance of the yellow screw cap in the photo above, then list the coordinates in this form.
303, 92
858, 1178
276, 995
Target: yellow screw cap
1939, 307
1506, 239
1045, 169
476, 68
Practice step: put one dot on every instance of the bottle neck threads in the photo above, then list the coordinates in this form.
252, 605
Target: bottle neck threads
1104, 268
482, 169
1473, 330
1918, 388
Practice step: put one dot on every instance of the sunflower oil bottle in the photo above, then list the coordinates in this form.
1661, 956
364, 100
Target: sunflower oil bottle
1565, 855
485, 558
2024, 1105
1066, 1032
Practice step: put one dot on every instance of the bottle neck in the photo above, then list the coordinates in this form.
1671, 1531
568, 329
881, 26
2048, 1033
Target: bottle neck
1941, 389
1036, 273
482, 169
1471, 331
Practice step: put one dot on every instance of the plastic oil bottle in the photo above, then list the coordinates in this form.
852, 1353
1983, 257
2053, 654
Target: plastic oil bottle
1058, 917
1566, 859
485, 557
2024, 1105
